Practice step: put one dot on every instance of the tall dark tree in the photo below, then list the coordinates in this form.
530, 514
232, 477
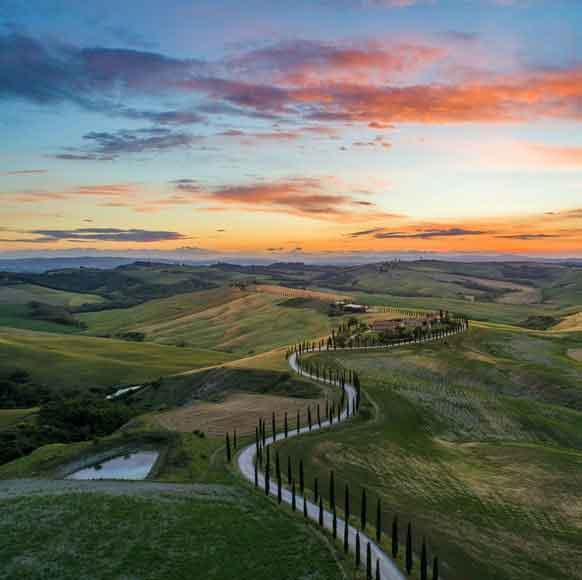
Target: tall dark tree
235, 440
378, 570
315, 489
279, 489
268, 472
368, 562
423, 561
332, 490
301, 477
256, 472
228, 452
318, 415
277, 466
347, 502
298, 422
395, 537
435, 568
364, 506
309, 417
346, 536
409, 559
286, 426
334, 526
320, 511
304, 506
274, 427
358, 555
289, 470
293, 498
378, 520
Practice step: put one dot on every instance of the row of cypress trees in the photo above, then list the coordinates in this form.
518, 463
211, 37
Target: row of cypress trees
456, 325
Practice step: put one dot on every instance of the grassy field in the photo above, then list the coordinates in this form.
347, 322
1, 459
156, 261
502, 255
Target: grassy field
25, 293
10, 417
217, 534
478, 442
83, 361
226, 319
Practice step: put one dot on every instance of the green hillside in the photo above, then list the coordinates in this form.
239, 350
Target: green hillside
476, 440
225, 319
63, 361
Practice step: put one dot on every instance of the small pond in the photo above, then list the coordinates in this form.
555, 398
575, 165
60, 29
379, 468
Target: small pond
131, 466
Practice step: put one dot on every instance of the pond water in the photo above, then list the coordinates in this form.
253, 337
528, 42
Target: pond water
131, 466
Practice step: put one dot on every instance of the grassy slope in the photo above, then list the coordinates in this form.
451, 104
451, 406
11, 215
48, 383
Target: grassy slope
10, 417
213, 536
69, 361
228, 320
460, 448
24, 293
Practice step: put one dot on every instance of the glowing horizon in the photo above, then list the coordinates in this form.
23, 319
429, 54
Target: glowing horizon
304, 127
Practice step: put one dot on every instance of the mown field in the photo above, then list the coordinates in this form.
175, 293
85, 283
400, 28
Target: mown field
227, 320
77, 361
478, 442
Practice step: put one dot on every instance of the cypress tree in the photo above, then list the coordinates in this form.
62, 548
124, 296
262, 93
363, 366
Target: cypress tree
286, 426
378, 521
304, 506
256, 472
346, 532
309, 417
298, 422
409, 549
228, 455
423, 562
326, 409
318, 415
235, 441
321, 511
435, 568
315, 489
268, 472
277, 466
347, 502
293, 499
274, 427
289, 470
378, 570
334, 527
279, 489
358, 556
368, 562
395, 537
301, 477
332, 490
364, 513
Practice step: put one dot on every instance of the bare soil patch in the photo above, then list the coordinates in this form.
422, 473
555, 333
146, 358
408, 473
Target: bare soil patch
240, 412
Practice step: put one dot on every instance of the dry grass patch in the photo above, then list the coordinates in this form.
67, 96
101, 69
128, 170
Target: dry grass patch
240, 412
576, 354
572, 323
285, 292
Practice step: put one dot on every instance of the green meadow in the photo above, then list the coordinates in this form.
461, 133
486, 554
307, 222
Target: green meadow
476, 443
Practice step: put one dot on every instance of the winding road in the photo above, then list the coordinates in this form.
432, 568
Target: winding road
246, 464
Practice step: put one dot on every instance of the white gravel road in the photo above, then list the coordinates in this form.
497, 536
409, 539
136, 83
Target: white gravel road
246, 464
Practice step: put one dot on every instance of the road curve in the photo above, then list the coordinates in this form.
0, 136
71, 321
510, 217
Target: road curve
246, 465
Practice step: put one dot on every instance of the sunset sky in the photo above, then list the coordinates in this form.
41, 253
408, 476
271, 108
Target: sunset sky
282, 128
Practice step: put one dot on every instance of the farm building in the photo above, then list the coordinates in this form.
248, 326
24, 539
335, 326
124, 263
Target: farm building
344, 306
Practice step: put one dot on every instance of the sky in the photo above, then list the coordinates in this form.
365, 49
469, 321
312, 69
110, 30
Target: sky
307, 127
